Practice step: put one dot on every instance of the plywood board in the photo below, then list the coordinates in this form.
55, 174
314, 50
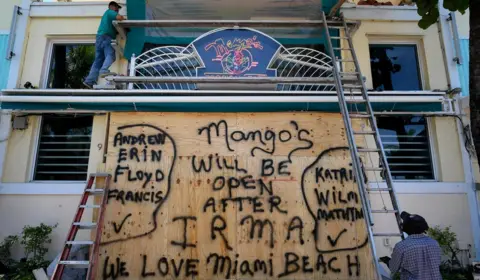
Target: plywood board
232, 196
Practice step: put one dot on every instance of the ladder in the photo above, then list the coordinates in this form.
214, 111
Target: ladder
77, 224
360, 99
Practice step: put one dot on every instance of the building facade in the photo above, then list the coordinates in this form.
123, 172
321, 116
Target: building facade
410, 74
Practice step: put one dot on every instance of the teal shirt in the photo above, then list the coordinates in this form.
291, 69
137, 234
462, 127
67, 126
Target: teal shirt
106, 26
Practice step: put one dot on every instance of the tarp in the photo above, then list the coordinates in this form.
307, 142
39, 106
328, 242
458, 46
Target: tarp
221, 10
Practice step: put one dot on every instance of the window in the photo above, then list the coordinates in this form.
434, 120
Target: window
395, 67
63, 148
407, 147
69, 65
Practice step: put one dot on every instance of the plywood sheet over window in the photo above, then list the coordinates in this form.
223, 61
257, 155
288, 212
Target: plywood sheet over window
224, 196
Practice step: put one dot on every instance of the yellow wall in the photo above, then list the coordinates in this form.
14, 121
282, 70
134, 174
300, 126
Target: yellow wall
429, 48
41, 30
6, 12
447, 149
463, 24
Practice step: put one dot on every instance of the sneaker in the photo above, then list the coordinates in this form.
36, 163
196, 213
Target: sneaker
103, 75
87, 85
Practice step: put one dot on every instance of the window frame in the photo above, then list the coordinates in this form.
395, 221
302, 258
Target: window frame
432, 151
34, 159
403, 40
47, 61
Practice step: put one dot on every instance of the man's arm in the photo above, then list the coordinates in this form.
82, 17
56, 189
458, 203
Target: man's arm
396, 260
119, 17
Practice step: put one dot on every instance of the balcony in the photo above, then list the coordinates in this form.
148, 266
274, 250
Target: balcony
188, 78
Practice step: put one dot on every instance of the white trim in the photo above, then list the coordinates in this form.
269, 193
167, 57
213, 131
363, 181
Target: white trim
21, 29
394, 13
63, 40
71, 9
74, 188
34, 154
206, 99
4, 32
422, 187
433, 149
44, 188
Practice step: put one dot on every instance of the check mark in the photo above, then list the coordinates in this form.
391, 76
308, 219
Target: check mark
119, 228
334, 242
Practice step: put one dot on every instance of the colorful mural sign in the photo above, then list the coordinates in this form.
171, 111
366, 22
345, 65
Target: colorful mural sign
236, 53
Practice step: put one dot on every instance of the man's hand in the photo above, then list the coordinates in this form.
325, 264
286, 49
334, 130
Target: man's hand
119, 17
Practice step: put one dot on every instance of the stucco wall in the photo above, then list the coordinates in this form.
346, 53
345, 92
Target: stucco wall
6, 12
463, 24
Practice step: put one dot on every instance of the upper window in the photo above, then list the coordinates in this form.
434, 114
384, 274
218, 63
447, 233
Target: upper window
395, 67
407, 147
64, 148
69, 65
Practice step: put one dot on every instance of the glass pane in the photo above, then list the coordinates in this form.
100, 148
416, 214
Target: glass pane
395, 67
64, 148
70, 65
406, 144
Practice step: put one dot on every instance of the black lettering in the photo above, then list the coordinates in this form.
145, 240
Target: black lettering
216, 186
321, 264
305, 264
219, 265
112, 194
144, 273
118, 171
122, 155
159, 176
163, 266
176, 270
245, 268
275, 203
248, 182
261, 224
282, 137
134, 154
184, 244
291, 265
208, 129
156, 156
210, 203
330, 265
321, 198
219, 228
355, 264
158, 197
191, 269
260, 265
237, 139
263, 186
117, 140
296, 223
257, 205
282, 165
233, 183
202, 165
267, 167
318, 174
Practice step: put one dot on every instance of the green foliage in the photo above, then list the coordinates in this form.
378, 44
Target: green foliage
34, 241
5, 250
450, 269
428, 10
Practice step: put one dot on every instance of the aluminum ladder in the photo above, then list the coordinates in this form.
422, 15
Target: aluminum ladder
77, 224
359, 98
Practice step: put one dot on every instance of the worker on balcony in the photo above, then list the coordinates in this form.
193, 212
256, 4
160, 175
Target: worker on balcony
104, 52
418, 256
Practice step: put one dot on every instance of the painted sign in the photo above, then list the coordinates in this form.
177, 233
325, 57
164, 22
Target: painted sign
232, 196
236, 53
